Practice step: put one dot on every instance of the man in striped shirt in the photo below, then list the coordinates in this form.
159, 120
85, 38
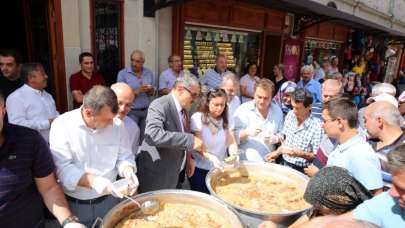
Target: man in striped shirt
213, 77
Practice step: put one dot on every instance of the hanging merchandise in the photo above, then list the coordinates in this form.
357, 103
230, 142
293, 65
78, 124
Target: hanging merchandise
225, 37
199, 36
217, 37
188, 35
208, 36
241, 39
233, 40
207, 43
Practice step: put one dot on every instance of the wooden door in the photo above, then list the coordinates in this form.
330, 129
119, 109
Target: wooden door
271, 54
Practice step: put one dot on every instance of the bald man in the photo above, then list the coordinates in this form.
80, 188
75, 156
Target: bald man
125, 97
331, 88
382, 122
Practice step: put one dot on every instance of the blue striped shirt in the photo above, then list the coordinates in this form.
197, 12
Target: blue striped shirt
128, 76
212, 78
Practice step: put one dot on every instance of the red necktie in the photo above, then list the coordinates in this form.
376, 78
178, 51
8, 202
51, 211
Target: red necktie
184, 120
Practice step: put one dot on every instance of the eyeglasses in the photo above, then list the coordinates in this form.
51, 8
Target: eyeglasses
193, 95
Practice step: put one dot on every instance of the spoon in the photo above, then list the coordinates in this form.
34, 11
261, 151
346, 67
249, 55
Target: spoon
149, 207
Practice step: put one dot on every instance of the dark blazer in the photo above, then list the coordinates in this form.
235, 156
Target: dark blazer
163, 148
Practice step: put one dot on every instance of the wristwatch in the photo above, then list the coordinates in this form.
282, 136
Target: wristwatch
70, 219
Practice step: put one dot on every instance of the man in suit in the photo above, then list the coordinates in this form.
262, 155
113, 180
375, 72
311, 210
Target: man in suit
167, 139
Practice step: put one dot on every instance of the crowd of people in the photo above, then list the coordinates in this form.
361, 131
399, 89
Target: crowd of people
155, 135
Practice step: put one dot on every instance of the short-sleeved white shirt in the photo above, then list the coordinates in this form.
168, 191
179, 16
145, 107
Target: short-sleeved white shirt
215, 144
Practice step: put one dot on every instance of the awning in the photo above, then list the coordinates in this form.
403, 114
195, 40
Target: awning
308, 7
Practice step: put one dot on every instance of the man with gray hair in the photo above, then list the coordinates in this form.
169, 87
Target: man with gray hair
382, 122
30, 105
313, 86
213, 77
168, 139
90, 148
142, 81
376, 91
231, 85
168, 77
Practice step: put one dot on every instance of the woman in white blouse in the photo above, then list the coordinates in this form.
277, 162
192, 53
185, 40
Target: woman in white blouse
248, 82
211, 125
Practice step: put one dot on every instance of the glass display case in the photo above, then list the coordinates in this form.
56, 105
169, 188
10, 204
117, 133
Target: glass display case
202, 45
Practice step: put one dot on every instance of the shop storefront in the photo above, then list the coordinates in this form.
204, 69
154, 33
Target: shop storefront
244, 33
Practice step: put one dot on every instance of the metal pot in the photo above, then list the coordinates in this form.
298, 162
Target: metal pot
126, 207
253, 218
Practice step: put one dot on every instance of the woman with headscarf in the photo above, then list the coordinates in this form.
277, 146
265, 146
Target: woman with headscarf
332, 191
283, 96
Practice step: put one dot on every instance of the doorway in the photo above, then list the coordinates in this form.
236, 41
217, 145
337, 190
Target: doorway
271, 54
33, 32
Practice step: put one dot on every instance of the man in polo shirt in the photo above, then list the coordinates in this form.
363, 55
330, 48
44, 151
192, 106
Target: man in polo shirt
313, 86
388, 208
168, 77
256, 121
382, 122
141, 80
27, 178
353, 152
10, 62
213, 77
90, 148
85, 79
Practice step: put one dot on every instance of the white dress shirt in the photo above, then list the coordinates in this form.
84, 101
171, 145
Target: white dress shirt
77, 150
133, 133
248, 117
179, 108
31, 108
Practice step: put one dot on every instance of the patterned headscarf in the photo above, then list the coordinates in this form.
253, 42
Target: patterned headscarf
286, 87
334, 188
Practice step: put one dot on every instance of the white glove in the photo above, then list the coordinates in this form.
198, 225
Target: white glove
103, 185
253, 132
74, 225
132, 180
215, 161
271, 139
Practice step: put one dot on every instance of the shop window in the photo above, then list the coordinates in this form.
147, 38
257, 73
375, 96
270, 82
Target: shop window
202, 45
107, 18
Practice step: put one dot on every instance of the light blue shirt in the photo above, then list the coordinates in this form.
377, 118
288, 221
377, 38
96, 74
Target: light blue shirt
248, 117
212, 79
357, 156
314, 87
382, 210
167, 79
128, 76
